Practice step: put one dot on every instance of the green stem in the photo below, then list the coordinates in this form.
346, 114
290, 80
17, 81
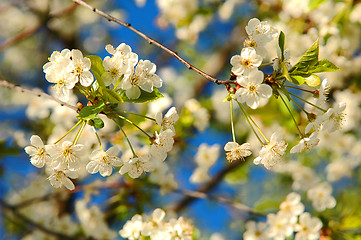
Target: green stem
308, 102
125, 135
250, 124
266, 64
289, 110
78, 134
127, 120
69, 131
301, 89
139, 115
96, 134
232, 122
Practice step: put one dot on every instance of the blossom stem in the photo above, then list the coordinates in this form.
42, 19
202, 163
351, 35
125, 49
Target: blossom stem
78, 134
301, 89
265, 64
96, 134
127, 120
139, 115
307, 102
250, 124
289, 110
232, 122
80, 121
125, 135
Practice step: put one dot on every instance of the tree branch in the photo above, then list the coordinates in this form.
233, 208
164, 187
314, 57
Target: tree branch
152, 41
36, 93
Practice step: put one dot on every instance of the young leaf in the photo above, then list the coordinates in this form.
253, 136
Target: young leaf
308, 59
313, 4
144, 96
281, 43
97, 68
324, 66
89, 112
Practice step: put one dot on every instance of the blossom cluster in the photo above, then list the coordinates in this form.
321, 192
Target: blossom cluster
289, 219
64, 160
157, 227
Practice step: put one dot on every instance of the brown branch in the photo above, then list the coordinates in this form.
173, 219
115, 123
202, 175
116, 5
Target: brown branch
209, 186
152, 41
32, 223
36, 93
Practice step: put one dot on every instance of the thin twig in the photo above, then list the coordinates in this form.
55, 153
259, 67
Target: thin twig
36, 93
152, 41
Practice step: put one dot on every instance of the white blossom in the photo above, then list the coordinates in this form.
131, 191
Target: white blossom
132, 228
168, 120
61, 178
256, 231
280, 225
37, 152
81, 68
308, 227
103, 161
247, 61
252, 89
135, 166
306, 143
66, 156
162, 144
236, 151
321, 197
333, 118
261, 32
143, 77
292, 206
271, 154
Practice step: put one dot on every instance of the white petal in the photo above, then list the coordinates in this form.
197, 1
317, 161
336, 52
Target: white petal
36, 141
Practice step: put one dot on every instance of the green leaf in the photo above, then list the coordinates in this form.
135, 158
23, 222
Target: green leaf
89, 112
313, 4
111, 96
281, 43
144, 96
324, 66
97, 68
98, 123
296, 79
308, 59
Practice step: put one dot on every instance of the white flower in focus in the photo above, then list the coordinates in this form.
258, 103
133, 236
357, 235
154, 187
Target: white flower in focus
280, 225
236, 151
252, 89
81, 68
168, 120
321, 197
66, 156
132, 228
255, 231
144, 78
135, 166
292, 206
306, 144
103, 161
162, 144
58, 61
271, 154
37, 152
247, 61
333, 118
64, 82
121, 64
60, 178
308, 227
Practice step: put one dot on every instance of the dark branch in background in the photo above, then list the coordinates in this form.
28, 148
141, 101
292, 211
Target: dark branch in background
13, 210
31, 30
36, 93
209, 186
152, 41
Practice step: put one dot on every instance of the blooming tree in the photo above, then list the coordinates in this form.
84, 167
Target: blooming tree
118, 146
